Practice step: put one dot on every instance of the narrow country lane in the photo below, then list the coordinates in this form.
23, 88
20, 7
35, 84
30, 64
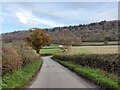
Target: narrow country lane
54, 75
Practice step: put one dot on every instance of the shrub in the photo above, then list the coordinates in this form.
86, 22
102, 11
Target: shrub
11, 60
15, 57
27, 54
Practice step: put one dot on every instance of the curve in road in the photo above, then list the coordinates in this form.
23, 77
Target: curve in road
54, 75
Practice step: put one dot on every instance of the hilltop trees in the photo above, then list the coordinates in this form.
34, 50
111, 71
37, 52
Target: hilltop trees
87, 32
37, 39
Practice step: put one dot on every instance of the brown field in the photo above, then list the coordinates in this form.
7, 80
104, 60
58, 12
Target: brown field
93, 49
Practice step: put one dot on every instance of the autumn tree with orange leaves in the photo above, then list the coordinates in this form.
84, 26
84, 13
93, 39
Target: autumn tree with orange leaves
37, 39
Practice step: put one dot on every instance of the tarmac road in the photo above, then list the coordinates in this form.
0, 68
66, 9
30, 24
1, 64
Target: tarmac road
54, 75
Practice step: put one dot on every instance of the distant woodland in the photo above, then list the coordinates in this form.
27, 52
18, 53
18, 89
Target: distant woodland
74, 35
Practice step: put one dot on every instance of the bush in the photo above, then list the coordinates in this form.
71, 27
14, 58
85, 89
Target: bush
11, 60
27, 54
15, 57
106, 62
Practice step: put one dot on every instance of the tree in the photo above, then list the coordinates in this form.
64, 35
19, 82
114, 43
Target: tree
37, 39
106, 40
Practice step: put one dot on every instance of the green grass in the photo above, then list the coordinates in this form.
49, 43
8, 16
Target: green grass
52, 46
98, 43
76, 50
0, 83
50, 50
92, 74
21, 77
113, 43
92, 43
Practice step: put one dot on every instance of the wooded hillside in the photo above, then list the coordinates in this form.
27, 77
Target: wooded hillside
73, 34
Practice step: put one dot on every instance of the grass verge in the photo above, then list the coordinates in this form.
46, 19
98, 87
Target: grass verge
21, 77
92, 74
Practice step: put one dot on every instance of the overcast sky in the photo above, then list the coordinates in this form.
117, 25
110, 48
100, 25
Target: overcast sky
25, 15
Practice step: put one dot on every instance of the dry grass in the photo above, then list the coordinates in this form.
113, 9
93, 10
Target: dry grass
93, 49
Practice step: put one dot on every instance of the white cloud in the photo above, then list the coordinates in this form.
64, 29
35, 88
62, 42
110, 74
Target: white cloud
48, 22
1, 19
80, 14
111, 14
28, 18
22, 18
54, 14
66, 14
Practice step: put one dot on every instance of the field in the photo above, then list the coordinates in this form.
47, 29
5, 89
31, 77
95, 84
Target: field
93, 50
53, 49
50, 50
84, 48
98, 43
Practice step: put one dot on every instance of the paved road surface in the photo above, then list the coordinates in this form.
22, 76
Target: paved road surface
54, 75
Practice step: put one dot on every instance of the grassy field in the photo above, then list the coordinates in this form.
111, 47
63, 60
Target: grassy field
21, 77
50, 50
93, 49
53, 49
98, 43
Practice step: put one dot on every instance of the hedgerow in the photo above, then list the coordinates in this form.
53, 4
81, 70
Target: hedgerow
106, 62
15, 57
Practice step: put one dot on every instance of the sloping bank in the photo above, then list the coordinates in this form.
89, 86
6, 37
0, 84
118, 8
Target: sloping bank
92, 74
19, 65
21, 77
